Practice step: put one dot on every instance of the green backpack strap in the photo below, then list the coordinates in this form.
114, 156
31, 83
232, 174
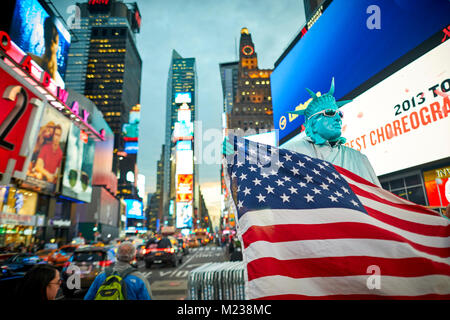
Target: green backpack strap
123, 275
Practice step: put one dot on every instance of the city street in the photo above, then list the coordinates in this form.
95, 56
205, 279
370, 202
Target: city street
169, 283
198, 150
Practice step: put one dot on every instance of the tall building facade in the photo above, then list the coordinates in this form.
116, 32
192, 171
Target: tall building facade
247, 105
252, 106
105, 64
181, 112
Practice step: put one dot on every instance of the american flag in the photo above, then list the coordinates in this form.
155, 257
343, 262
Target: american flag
313, 230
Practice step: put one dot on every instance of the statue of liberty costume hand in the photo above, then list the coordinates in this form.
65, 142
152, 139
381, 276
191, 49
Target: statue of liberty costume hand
323, 140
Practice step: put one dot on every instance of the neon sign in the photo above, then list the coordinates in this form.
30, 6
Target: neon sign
55, 95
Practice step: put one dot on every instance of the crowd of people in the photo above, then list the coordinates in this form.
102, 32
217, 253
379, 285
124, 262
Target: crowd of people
43, 281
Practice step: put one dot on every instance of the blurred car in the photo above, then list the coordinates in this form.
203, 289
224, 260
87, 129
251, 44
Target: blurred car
21, 262
193, 243
184, 245
9, 281
165, 250
45, 253
203, 241
91, 260
140, 252
61, 256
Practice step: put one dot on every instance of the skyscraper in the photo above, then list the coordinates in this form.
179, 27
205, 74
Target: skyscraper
105, 64
252, 106
181, 95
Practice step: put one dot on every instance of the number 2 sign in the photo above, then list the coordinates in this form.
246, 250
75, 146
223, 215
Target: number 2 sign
20, 110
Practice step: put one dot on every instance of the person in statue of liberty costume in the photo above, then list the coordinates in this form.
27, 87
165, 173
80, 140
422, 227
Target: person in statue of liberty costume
322, 138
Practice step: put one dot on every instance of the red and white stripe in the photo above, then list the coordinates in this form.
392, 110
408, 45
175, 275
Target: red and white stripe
328, 253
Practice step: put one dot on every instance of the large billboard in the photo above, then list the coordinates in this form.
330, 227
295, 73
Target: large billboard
185, 162
404, 120
185, 187
41, 36
78, 173
131, 147
134, 209
45, 167
20, 113
347, 43
183, 97
184, 215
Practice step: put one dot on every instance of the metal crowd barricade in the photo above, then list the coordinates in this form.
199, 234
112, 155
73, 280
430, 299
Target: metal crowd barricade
217, 281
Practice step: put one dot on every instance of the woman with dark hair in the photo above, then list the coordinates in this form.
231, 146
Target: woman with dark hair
41, 283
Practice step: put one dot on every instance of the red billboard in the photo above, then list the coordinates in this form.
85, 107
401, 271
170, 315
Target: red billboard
20, 109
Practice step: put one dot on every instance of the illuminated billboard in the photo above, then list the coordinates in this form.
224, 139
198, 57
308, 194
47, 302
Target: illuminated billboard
184, 215
185, 162
134, 209
18, 133
185, 187
183, 131
437, 185
184, 113
184, 145
41, 36
183, 97
344, 45
45, 167
399, 122
130, 131
78, 173
131, 147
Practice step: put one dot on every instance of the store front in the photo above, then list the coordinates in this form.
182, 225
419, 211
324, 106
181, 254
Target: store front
18, 219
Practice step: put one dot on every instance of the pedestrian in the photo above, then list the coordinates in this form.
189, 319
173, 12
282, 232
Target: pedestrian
447, 212
137, 286
40, 283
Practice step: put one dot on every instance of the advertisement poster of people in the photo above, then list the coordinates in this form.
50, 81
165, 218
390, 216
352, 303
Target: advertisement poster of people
184, 215
45, 166
41, 36
77, 177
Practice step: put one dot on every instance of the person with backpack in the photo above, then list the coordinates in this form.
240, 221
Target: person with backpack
122, 281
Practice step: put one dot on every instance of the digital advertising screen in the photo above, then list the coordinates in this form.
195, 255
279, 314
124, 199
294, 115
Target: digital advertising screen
184, 215
41, 36
344, 44
44, 169
131, 147
400, 122
183, 97
184, 145
437, 186
19, 129
185, 162
185, 187
184, 115
78, 169
130, 130
134, 209
184, 130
